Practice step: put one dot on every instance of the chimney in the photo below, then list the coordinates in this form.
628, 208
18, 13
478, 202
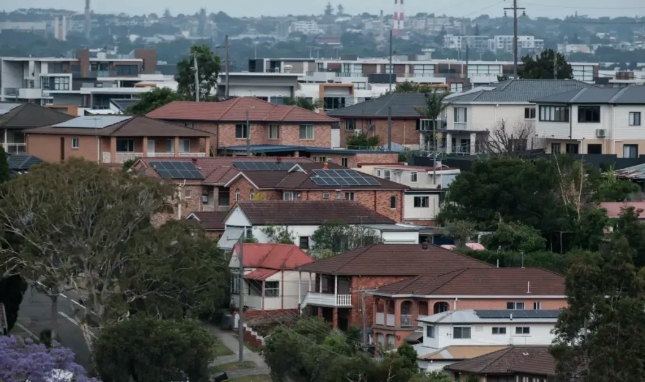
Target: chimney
325, 166
424, 245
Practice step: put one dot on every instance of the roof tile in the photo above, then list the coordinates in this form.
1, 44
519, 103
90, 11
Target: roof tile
29, 115
210, 221
535, 360
273, 256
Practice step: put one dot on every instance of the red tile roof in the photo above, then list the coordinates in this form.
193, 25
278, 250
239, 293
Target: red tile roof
260, 274
273, 256
394, 260
234, 110
533, 360
615, 208
482, 282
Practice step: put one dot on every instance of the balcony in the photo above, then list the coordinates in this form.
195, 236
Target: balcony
11, 92
172, 155
406, 320
122, 157
327, 299
380, 318
15, 148
26, 93
460, 126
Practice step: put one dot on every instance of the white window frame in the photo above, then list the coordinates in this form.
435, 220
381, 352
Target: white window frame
516, 305
344, 162
238, 194
414, 178
272, 131
386, 174
75, 142
300, 242
349, 196
537, 305
393, 198
634, 118
454, 330
430, 331
270, 290
308, 132
288, 195
421, 204
184, 145
522, 330
130, 144
187, 194
350, 124
245, 130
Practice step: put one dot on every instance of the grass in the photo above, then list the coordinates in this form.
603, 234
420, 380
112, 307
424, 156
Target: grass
252, 378
221, 349
233, 366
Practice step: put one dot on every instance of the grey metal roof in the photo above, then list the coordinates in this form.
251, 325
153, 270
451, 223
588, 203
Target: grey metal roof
229, 238
471, 317
21, 163
93, 122
629, 95
403, 105
123, 104
519, 91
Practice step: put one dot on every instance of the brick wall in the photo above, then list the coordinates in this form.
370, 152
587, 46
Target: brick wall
48, 147
245, 189
289, 135
362, 283
354, 159
378, 201
404, 131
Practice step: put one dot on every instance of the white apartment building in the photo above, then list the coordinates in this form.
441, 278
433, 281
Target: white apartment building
505, 43
593, 121
308, 27
483, 331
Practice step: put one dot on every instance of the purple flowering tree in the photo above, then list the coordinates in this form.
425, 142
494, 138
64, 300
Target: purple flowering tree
24, 360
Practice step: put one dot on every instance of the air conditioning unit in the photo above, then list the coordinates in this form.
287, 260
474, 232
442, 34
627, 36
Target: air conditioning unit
601, 133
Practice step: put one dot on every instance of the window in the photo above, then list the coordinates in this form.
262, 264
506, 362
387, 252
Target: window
235, 283
360, 85
499, 330
343, 162
630, 151
170, 145
430, 331
349, 196
240, 131
522, 330
424, 125
529, 113
413, 177
537, 305
555, 148
337, 195
350, 124
184, 145
386, 174
74, 142
325, 195
589, 114
271, 289
421, 201
125, 145
126, 70
456, 87
571, 148
461, 115
554, 114
304, 242
594, 149
187, 194
61, 83
461, 332
635, 118
274, 131
393, 202
306, 131
238, 194
287, 195
515, 305
322, 159
252, 195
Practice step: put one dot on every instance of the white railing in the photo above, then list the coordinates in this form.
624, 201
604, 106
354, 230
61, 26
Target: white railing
380, 318
327, 299
16, 148
390, 320
124, 157
172, 155
460, 126
192, 155
406, 320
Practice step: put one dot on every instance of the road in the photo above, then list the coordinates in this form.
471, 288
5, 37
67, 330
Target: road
35, 316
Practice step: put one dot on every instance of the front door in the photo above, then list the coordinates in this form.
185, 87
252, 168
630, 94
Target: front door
151, 147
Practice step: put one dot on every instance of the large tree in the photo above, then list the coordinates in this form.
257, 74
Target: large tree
147, 349
434, 107
208, 68
543, 66
334, 237
154, 99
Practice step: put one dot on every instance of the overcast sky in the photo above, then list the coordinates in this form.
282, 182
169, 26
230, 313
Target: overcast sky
459, 8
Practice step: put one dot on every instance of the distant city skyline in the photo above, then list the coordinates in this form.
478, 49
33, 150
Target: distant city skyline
256, 8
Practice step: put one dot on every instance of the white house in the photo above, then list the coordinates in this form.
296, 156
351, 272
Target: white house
472, 115
447, 335
303, 217
270, 281
594, 121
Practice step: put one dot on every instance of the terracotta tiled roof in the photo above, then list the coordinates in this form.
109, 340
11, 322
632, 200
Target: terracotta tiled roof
459, 352
133, 127
478, 281
534, 360
614, 208
234, 110
273, 256
309, 212
28, 115
211, 221
260, 274
394, 260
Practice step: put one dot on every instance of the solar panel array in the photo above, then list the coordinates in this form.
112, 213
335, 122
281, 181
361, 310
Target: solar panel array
342, 178
517, 314
177, 170
7, 107
263, 166
93, 122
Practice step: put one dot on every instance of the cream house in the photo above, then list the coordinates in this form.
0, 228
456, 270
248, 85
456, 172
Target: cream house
473, 117
594, 121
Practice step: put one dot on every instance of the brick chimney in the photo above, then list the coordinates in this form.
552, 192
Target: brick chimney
424, 245
325, 166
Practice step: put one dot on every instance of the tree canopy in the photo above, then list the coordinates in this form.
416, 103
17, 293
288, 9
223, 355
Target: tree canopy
361, 141
542, 66
413, 87
154, 99
334, 237
300, 101
208, 67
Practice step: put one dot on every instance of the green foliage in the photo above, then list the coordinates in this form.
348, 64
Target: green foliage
413, 87
460, 231
208, 65
515, 237
361, 141
612, 189
554, 262
279, 235
408, 356
542, 66
435, 106
5, 173
433, 376
250, 239
147, 349
154, 99
301, 102
127, 164
334, 237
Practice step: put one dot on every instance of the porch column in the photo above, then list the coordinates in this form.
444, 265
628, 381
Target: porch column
176, 146
263, 284
4, 143
309, 282
448, 143
320, 282
320, 312
335, 318
473, 140
335, 289
207, 147
397, 313
144, 150
113, 150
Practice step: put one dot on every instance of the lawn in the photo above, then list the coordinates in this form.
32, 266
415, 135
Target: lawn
233, 366
252, 378
221, 349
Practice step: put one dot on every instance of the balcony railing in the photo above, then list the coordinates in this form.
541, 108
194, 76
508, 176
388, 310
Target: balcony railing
460, 126
389, 320
406, 320
12, 92
172, 155
380, 318
124, 157
16, 148
328, 299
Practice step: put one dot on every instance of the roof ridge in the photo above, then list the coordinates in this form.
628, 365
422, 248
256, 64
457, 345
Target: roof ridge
618, 94
127, 121
354, 257
411, 280
24, 105
457, 273
235, 101
502, 352
580, 92
507, 84
389, 96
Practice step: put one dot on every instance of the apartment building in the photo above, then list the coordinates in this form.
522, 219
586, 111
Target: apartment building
593, 121
271, 87
308, 27
87, 80
480, 44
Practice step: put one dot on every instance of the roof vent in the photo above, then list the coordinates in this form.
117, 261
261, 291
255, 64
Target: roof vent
194, 160
424, 245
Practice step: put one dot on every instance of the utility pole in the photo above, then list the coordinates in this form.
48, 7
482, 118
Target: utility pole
515, 9
196, 77
227, 67
240, 322
364, 318
389, 107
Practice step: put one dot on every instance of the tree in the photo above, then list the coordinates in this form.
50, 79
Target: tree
208, 66
167, 14
5, 172
511, 141
542, 66
476, 30
600, 336
154, 99
334, 237
361, 141
460, 231
301, 102
23, 360
146, 349
279, 235
412, 87
341, 10
329, 10
515, 237
435, 106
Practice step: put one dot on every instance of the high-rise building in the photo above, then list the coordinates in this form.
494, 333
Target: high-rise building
60, 28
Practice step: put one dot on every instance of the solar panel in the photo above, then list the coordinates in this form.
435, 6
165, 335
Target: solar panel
7, 107
343, 178
177, 170
518, 314
93, 121
263, 166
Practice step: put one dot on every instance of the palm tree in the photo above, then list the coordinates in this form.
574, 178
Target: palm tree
435, 106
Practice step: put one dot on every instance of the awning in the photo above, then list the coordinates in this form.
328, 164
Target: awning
230, 238
261, 274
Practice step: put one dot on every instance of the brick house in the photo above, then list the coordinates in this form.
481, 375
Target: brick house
371, 118
344, 280
270, 124
114, 140
310, 181
17, 117
399, 305
212, 222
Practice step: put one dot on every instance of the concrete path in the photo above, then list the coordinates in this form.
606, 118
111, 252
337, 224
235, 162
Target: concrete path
230, 341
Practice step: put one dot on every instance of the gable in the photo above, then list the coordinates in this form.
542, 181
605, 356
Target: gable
237, 218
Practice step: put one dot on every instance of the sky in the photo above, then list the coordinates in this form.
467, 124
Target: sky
255, 8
